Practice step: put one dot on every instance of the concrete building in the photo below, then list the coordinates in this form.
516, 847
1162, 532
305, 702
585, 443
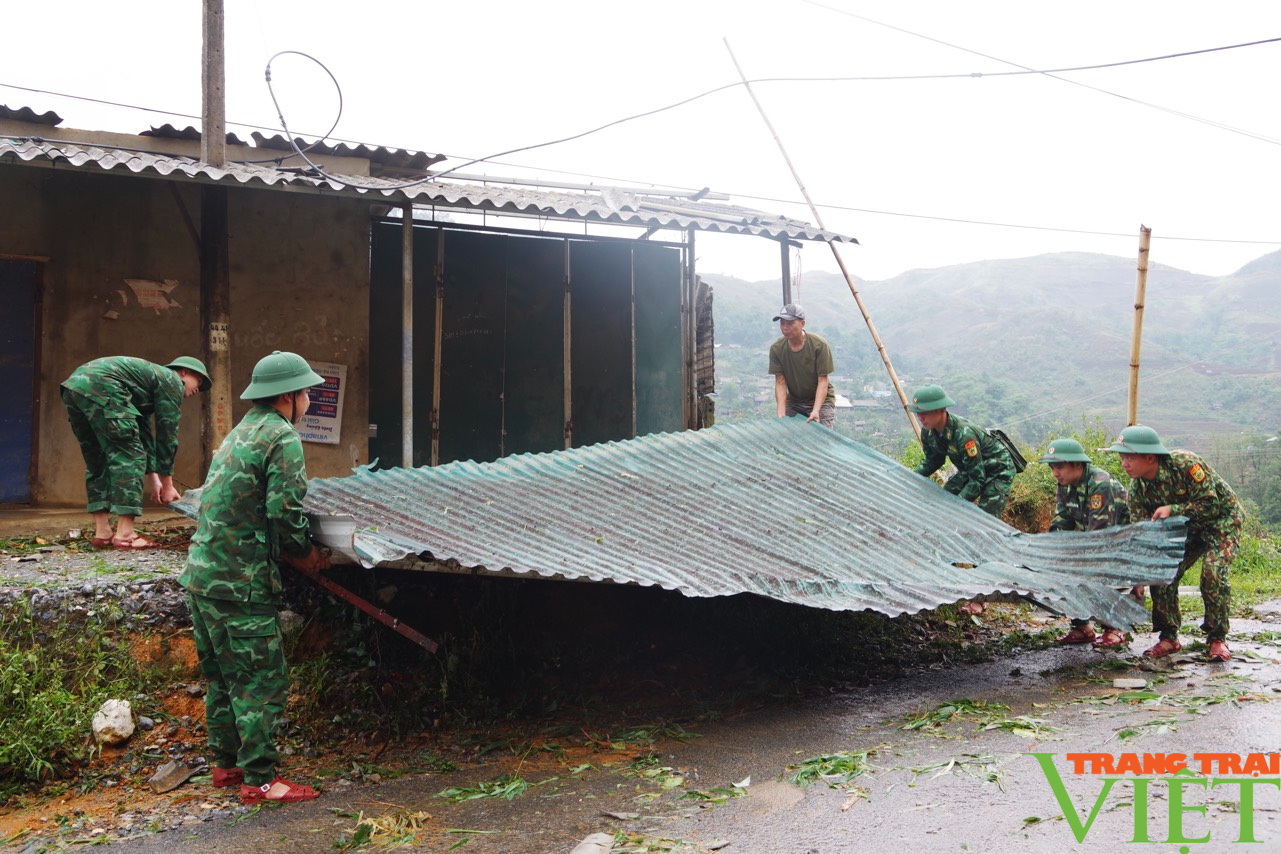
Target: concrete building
455, 320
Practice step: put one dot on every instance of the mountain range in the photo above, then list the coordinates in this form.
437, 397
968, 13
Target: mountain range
1042, 341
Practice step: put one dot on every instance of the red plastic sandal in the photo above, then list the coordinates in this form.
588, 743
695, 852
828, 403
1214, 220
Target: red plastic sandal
134, 543
1078, 635
101, 542
1111, 637
1219, 651
1164, 647
261, 794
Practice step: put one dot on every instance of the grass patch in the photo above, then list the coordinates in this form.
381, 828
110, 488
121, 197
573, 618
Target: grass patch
52, 680
1255, 577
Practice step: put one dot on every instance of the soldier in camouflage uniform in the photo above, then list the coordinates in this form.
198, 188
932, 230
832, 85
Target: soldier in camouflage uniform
1179, 483
984, 468
110, 403
1087, 499
251, 517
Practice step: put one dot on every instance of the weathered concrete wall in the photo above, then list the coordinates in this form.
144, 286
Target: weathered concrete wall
299, 281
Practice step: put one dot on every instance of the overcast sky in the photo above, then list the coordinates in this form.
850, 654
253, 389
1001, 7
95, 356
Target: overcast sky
882, 158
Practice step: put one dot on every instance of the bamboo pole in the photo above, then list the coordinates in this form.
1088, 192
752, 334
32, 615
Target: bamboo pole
1140, 294
840, 262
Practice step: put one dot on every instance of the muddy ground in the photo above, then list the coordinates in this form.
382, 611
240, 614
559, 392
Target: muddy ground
723, 778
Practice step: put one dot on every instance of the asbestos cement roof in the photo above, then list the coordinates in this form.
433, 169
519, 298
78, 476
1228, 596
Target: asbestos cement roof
778, 507
606, 205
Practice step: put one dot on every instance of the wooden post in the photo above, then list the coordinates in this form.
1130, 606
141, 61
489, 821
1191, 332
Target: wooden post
818, 219
1140, 294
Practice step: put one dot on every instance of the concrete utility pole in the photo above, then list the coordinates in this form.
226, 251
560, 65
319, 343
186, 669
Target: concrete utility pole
213, 115
215, 264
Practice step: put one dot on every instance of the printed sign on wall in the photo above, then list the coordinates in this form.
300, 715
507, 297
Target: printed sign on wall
323, 421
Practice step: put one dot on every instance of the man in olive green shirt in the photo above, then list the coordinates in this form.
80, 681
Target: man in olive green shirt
801, 362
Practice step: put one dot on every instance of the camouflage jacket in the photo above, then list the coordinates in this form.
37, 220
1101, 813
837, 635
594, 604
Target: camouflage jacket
978, 457
250, 512
1192, 489
1093, 502
126, 387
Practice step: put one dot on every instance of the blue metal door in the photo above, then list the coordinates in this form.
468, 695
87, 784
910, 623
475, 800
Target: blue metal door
17, 375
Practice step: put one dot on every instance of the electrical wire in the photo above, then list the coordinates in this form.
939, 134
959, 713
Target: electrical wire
1054, 71
871, 78
881, 78
301, 152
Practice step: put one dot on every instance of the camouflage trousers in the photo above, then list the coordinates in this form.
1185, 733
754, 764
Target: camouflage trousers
1216, 551
115, 462
243, 660
993, 497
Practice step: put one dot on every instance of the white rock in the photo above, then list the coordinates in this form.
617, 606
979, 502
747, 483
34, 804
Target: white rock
113, 722
1129, 683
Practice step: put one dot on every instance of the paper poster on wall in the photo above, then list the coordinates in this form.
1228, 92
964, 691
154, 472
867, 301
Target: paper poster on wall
323, 421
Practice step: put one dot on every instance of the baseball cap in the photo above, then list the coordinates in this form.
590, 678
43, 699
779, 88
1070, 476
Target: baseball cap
791, 311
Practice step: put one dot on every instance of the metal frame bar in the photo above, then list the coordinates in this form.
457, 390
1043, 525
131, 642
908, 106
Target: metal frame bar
372, 610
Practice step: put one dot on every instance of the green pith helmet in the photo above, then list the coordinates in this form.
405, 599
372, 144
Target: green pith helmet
1065, 451
1138, 439
928, 398
191, 363
280, 373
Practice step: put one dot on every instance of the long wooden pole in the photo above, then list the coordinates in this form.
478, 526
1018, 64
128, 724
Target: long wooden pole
840, 262
1140, 295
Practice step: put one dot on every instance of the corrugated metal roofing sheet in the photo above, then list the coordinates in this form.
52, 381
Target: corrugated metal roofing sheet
778, 507
613, 206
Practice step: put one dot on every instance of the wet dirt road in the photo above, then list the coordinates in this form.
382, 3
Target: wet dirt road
949, 788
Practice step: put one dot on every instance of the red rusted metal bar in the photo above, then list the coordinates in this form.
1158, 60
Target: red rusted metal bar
377, 613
